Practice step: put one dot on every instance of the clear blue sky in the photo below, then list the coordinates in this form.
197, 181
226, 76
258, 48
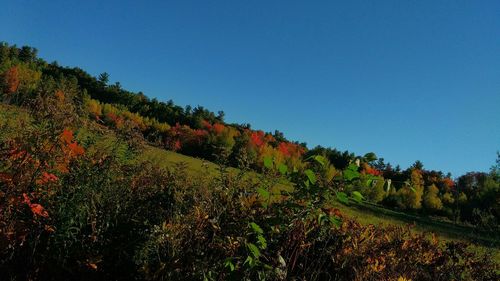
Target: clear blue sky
407, 80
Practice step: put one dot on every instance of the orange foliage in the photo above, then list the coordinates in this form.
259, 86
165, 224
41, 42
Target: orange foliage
11, 80
59, 95
70, 148
289, 149
75, 149
177, 145
206, 125
67, 136
46, 178
218, 128
117, 120
257, 138
373, 171
36, 209
449, 183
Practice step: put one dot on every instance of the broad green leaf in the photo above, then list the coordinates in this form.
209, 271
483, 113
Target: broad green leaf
310, 175
283, 169
335, 221
250, 261
369, 182
342, 197
267, 267
357, 196
350, 175
352, 167
254, 250
264, 193
228, 263
262, 242
256, 228
320, 159
268, 162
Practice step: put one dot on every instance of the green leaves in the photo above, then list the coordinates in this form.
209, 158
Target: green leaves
254, 250
335, 221
262, 242
252, 259
264, 193
283, 169
228, 263
268, 162
351, 172
357, 196
318, 158
342, 197
256, 228
310, 176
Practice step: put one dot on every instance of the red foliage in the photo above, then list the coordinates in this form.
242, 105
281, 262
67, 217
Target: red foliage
218, 128
75, 149
180, 137
116, 120
449, 183
206, 125
36, 209
372, 171
177, 145
72, 146
289, 149
46, 178
283, 148
257, 138
67, 136
200, 133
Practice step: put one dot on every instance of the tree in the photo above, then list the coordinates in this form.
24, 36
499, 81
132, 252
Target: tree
411, 194
220, 116
370, 157
4, 52
27, 54
448, 199
380, 164
104, 78
377, 193
431, 199
418, 165
10, 80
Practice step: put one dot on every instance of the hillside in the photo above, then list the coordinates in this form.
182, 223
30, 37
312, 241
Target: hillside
364, 213
97, 183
